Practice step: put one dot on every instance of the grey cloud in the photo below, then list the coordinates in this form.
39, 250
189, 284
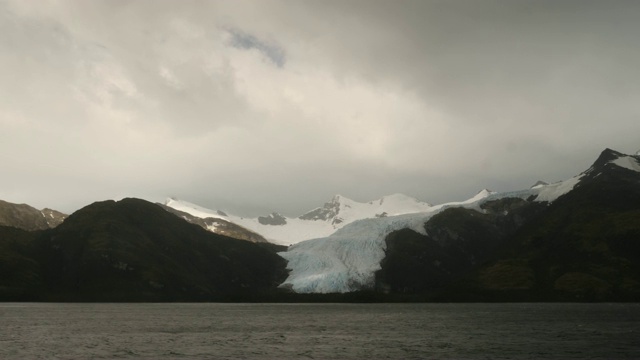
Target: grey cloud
436, 99
197, 99
514, 66
246, 41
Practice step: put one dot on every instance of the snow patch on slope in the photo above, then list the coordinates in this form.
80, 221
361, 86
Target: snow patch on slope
553, 191
192, 209
627, 162
541, 192
294, 231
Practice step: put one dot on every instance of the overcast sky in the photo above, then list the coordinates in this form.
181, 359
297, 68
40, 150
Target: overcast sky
253, 106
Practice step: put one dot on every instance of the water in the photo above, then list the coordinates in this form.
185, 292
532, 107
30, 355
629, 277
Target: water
319, 331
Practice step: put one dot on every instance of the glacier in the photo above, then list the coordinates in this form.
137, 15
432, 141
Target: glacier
348, 259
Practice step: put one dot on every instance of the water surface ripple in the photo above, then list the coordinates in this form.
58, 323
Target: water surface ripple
319, 331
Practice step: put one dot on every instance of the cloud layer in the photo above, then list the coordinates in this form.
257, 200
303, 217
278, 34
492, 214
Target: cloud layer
254, 106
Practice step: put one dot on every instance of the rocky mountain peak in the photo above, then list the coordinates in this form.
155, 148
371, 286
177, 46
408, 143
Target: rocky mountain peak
606, 156
329, 211
485, 192
611, 161
272, 219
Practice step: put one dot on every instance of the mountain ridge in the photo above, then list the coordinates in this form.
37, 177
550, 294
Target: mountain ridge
27, 217
319, 222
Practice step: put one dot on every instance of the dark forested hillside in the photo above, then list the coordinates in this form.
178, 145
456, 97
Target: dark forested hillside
585, 246
132, 250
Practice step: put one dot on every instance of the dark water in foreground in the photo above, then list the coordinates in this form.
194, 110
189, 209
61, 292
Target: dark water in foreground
319, 331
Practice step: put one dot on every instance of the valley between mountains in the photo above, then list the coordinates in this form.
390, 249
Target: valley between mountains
574, 240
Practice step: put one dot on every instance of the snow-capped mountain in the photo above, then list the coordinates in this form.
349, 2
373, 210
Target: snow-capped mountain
342, 210
347, 240
348, 259
317, 223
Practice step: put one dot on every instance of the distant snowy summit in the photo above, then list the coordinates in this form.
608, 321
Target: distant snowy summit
341, 210
317, 223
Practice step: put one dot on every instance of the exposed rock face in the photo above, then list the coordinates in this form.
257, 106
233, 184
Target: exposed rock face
272, 219
28, 218
329, 211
